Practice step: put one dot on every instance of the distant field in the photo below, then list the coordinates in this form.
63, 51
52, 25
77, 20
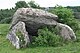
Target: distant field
6, 47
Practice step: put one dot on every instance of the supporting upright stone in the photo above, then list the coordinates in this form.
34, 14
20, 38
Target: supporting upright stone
66, 32
14, 39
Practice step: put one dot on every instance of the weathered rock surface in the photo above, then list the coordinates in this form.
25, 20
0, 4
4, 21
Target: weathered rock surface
66, 32
14, 39
32, 19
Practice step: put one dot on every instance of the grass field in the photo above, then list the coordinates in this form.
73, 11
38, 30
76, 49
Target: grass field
6, 46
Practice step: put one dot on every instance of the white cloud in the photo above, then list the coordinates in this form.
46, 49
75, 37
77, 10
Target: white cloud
43, 3
48, 3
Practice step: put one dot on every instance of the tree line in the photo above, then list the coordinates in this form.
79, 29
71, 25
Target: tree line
6, 14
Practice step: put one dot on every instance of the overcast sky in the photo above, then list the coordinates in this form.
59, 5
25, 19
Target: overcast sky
4, 4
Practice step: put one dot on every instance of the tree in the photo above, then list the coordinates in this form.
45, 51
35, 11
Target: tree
33, 4
21, 4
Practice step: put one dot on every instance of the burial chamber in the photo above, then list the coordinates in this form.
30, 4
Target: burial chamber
29, 20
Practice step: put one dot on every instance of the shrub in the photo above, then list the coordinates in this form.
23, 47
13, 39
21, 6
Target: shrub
66, 17
47, 38
64, 14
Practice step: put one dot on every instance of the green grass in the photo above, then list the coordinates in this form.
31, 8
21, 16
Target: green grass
7, 47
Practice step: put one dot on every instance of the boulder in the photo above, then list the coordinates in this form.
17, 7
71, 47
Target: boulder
29, 20
14, 39
65, 31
